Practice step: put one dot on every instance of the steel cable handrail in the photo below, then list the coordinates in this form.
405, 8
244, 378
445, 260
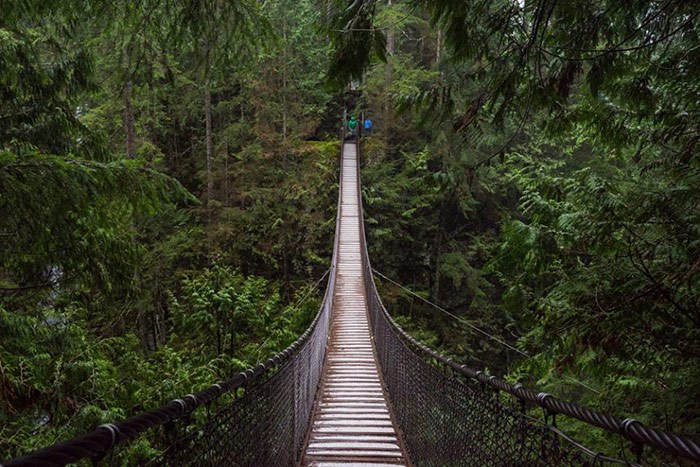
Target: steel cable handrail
639, 434
97, 444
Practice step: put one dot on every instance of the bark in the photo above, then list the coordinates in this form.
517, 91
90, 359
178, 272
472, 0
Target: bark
145, 331
227, 184
284, 93
129, 121
285, 270
389, 74
389, 51
210, 144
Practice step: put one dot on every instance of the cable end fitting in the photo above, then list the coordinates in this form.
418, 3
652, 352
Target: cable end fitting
113, 431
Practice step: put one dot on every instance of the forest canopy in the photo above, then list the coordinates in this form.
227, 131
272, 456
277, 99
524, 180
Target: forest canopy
168, 183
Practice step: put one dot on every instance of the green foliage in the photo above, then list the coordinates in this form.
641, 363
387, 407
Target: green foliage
231, 316
601, 254
356, 40
546, 191
111, 302
40, 81
71, 218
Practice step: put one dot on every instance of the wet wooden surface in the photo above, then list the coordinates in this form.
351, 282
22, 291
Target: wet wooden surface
352, 424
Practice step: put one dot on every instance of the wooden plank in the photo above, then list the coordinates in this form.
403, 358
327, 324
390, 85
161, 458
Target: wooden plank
351, 464
352, 424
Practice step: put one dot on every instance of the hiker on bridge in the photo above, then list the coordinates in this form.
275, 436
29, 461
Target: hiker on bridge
352, 125
368, 126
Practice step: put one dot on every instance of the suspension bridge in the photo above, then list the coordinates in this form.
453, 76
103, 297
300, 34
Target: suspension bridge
356, 390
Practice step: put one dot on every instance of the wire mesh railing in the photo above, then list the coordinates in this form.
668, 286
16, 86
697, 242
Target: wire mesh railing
450, 414
267, 424
264, 422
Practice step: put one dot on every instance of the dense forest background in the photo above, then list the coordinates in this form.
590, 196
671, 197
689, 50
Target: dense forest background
168, 180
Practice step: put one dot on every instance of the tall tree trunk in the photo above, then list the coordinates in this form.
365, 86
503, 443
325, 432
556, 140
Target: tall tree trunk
129, 120
389, 75
227, 184
436, 258
389, 50
285, 270
210, 144
284, 91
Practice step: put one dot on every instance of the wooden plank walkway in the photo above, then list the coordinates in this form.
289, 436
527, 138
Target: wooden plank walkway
352, 424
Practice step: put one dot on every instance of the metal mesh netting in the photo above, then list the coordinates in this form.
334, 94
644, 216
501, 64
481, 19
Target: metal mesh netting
265, 426
445, 422
261, 423
450, 415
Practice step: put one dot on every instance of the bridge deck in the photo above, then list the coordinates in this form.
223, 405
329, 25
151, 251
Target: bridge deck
352, 423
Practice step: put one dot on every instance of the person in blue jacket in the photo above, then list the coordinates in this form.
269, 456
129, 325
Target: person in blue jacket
368, 126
